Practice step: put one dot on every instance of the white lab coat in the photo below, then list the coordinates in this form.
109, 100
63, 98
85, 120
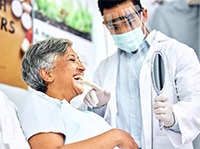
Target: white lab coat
182, 82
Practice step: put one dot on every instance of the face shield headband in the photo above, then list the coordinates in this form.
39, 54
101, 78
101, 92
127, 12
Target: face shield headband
124, 20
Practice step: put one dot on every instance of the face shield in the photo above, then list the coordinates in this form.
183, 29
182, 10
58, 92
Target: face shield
124, 20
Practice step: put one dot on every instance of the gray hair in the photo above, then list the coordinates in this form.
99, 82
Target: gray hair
42, 55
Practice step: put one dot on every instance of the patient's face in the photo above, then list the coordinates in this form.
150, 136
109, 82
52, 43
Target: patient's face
68, 73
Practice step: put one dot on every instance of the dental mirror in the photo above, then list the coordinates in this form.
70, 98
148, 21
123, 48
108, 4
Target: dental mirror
158, 75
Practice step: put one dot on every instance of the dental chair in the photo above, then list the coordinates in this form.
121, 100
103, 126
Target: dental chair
11, 134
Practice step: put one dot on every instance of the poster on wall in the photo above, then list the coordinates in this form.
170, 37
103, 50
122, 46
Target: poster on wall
70, 19
16, 26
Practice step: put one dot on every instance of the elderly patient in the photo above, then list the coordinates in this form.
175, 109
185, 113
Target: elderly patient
54, 71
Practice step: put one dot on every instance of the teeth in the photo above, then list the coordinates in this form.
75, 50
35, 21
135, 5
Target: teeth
78, 78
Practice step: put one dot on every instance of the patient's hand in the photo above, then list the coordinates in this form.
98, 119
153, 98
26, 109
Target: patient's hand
125, 140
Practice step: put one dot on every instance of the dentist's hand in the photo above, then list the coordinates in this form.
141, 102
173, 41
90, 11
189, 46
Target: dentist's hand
163, 110
97, 96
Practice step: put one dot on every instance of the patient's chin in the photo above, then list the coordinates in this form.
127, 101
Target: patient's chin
79, 88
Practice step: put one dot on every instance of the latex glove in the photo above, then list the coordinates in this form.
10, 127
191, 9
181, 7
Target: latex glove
163, 110
97, 96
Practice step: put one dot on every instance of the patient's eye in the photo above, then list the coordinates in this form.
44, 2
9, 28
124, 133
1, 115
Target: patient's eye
72, 59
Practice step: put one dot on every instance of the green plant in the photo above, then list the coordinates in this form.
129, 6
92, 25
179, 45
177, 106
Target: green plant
80, 19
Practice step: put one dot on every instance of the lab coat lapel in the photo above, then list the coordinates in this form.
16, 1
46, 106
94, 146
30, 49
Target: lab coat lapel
146, 97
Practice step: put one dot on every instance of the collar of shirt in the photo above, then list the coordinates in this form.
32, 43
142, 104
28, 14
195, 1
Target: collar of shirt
150, 37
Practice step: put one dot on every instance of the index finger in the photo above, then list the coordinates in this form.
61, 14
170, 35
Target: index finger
161, 98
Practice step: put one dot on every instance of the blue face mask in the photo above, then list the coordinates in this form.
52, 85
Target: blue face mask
129, 41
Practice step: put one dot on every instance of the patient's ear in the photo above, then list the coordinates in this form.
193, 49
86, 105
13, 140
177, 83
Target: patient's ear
46, 75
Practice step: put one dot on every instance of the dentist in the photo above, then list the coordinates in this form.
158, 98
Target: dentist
134, 105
